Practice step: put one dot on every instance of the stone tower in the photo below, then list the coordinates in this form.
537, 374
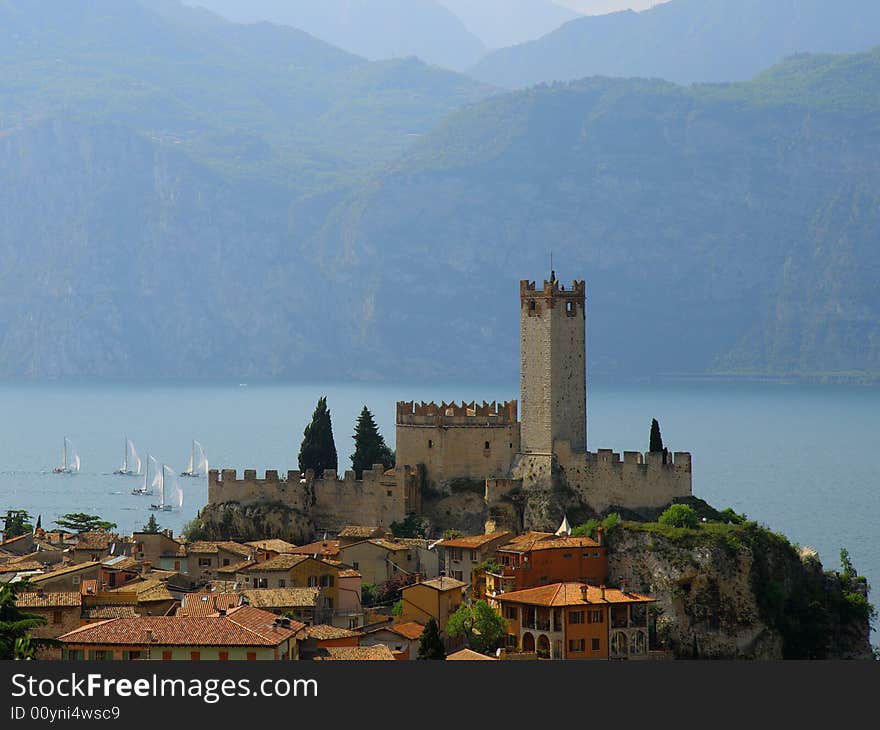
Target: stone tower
553, 369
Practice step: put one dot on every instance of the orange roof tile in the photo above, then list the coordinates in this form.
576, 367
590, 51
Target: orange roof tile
379, 652
39, 599
571, 594
207, 604
274, 545
475, 541
283, 597
244, 626
443, 583
326, 548
549, 543
285, 561
469, 655
324, 632
408, 629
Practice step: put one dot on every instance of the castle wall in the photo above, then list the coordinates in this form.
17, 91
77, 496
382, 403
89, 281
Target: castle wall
603, 479
380, 498
450, 440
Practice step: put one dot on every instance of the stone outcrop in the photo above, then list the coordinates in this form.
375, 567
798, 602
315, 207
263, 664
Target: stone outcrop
738, 593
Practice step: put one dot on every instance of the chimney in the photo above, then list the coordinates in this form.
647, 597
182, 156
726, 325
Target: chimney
600, 535
623, 585
585, 592
602, 591
147, 567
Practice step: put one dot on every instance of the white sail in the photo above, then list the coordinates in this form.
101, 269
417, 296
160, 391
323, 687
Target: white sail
157, 475
169, 486
192, 457
203, 461
71, 457
134, 461
179, 498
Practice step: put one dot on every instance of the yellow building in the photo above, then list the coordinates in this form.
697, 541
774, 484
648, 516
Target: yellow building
438, 598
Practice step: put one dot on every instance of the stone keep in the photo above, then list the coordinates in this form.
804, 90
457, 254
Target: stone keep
553, 366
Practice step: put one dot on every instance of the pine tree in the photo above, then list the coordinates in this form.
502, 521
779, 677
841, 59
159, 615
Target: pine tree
16, 625
369, 445
152, 527
656, 438
430, 644
318, 451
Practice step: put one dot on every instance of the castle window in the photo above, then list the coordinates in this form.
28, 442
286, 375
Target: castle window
430, 444
389, 492
532, 306
486, 445
511, 444
570, 308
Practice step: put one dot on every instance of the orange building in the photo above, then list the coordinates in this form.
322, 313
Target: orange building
575, 620
528, 563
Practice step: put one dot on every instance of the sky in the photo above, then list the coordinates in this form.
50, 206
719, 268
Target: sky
597, 7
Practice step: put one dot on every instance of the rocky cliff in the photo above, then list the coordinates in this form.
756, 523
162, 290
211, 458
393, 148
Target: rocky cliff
741, 592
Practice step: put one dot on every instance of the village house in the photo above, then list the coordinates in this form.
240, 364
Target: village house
159, 550
207, 603
320, 549
576, 620
402, 638
150, 597
464, 555
272, 548
437, 598
204, 559
60, 609
95, 546
379, 560
68, 578
302, 603
243, 633
527, 563
351, 534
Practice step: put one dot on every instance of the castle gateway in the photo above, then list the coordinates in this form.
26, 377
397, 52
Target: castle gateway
542, 460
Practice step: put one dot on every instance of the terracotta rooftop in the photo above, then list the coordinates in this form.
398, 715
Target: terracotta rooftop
235, 567
275, 545
207, 604
203, 547
549, 543
21, 566
66, 570
473, 542
327, 548
282, 597
325, 632
411, 630
570, 594
40, 599
96, 541
285, 561
349, 573
363, 531
243, 626
102, 613
379, 652
526, 538
121, 562
443, 583
147, 590
468, 655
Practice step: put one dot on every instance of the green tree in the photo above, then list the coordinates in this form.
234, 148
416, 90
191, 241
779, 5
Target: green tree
680, 515
397, 608
318, 450
16, 625
480, 624
369, 445
80, 522
16, 523
430, 644
152, 527
411, 526
656, 438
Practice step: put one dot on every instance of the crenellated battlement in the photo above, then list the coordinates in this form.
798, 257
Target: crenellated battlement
410, 413
380, 497
552, 292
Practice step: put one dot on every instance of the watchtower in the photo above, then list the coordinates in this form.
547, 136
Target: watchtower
553, 370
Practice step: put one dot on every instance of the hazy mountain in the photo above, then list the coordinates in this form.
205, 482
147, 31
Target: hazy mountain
500, 23
375, 29
687, 41
719, 228
260, 100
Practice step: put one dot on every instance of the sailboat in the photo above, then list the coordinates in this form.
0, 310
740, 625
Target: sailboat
198, 462
147, 487
131, 462
165, 473
69, 459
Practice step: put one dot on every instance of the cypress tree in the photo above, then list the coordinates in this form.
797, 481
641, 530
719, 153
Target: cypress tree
656, 438
318, 451
369, 445
430, 643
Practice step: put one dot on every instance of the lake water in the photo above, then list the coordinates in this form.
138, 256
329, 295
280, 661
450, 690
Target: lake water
800, 459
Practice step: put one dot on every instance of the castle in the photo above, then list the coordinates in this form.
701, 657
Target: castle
541, 461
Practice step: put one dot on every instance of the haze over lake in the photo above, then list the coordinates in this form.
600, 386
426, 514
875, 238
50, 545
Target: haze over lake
797, 458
